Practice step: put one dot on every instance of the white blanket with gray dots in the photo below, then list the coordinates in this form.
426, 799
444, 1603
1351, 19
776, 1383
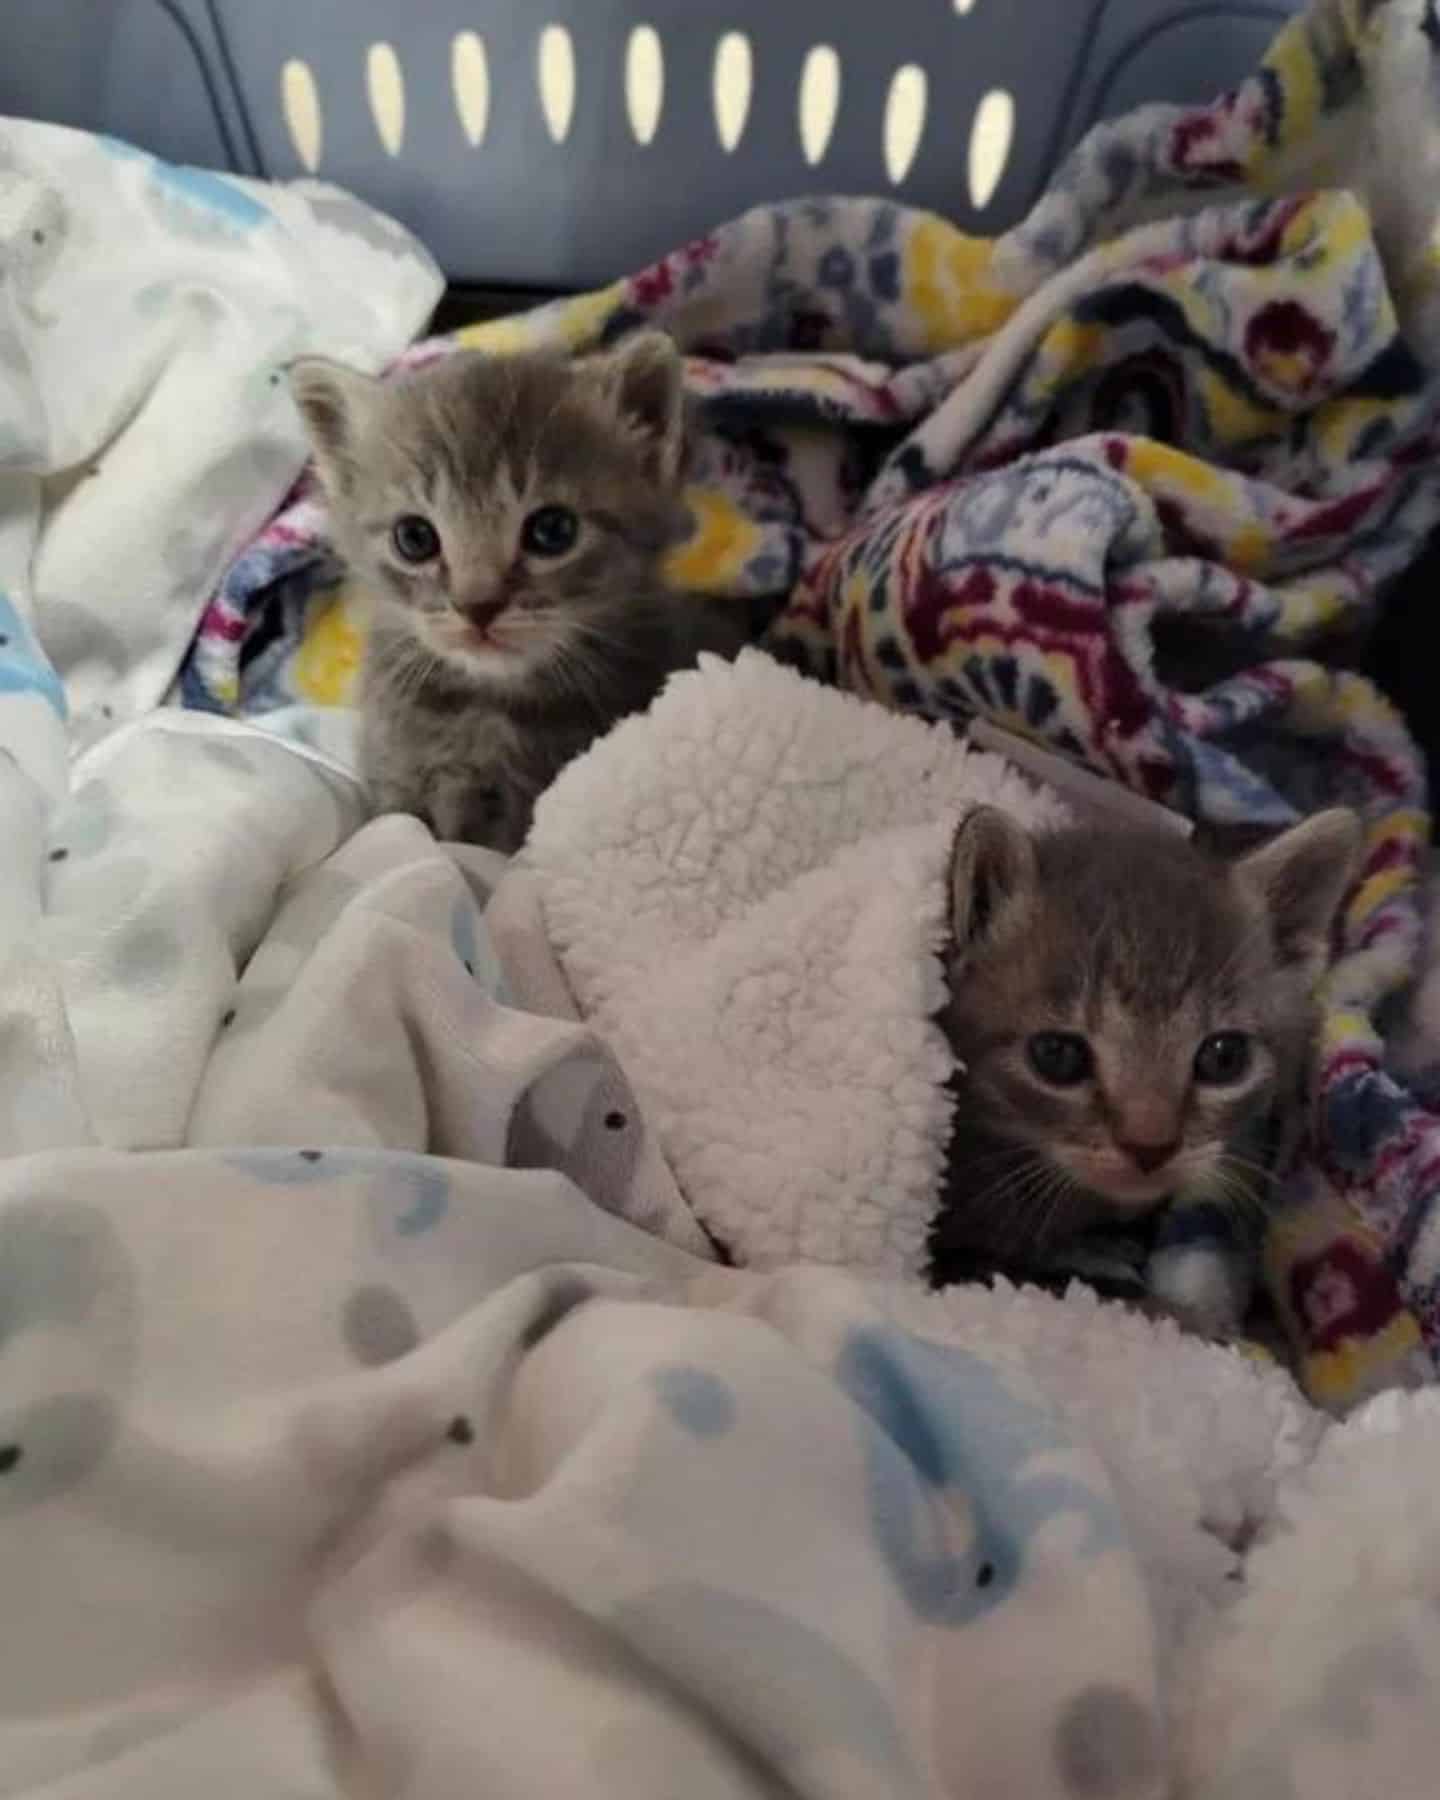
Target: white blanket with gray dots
347, 1446
146, 433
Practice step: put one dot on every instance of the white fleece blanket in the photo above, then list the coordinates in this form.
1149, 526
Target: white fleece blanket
746, 889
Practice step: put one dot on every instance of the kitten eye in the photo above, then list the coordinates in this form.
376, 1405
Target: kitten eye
1223, 1058
550, 531
1060, 1057
415, 539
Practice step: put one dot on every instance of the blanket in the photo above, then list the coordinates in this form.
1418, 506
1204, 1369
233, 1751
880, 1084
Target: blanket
1128, 480
747, 892
347, 1445
145, 432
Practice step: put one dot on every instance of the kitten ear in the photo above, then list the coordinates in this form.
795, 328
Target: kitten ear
333, 402
1301, 877
992, 865
645, 377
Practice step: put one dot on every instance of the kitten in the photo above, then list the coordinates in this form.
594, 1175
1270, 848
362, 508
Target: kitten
507, 519
1127, 1017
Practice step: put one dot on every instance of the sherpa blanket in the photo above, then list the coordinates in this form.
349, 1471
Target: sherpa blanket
1125, 486
747, 892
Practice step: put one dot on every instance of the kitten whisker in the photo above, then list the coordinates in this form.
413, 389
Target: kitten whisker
1239, 1195
1062, 1190
1243, 1186
992, 1201
990, 1159
575, 675
1251, 1167
417, 670
1032, 1219
993, 1196
1196, 1168
1014, 1201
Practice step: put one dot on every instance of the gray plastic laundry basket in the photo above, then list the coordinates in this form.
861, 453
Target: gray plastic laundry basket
552, 144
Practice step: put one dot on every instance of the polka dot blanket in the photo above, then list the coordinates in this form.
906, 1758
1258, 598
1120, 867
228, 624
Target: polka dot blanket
1128, 480
365, 1426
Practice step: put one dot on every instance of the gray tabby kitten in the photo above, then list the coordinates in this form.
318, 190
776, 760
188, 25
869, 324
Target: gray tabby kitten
1127, 1016
508, 518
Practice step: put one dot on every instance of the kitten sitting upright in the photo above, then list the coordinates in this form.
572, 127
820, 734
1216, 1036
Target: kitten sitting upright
507, 518
1127, 1015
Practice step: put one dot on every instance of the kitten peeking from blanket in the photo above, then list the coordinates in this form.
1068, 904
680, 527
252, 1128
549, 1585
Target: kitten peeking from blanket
1127, 1018
508, 519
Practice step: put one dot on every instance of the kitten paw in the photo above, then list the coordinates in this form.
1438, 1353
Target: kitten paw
1201, 1292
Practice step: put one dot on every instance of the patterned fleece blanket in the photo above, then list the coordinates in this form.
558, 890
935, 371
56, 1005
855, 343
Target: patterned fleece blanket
1128, 479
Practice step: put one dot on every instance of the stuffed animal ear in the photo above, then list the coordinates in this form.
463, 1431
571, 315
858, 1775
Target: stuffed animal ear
644, 376
992, 869
334, 402
1300, 877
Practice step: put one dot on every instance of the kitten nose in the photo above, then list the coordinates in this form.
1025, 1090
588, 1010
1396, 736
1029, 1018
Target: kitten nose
1147, 1158
482, 613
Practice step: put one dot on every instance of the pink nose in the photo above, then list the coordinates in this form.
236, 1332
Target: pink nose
482, 614
1147, 1158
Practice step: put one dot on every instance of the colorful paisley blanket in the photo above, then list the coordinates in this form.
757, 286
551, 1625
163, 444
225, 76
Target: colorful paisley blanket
1128, 479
